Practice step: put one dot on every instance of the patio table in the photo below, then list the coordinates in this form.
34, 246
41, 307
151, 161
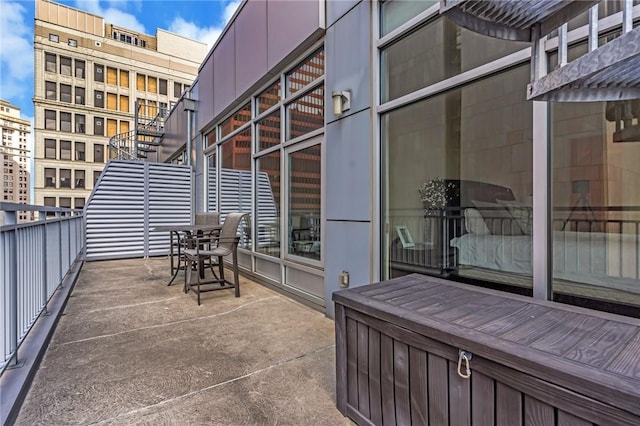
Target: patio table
188, 230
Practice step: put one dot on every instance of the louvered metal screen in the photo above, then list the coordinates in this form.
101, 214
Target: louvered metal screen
129, 200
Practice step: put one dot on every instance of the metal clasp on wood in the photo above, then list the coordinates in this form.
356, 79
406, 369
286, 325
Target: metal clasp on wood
464, 357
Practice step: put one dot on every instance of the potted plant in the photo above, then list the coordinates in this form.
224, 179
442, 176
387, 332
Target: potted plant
435, 195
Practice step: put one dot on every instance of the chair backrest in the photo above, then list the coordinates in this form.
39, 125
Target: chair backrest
229, 230
208, 218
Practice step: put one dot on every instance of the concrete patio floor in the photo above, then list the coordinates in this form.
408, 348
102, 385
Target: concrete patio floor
131, 350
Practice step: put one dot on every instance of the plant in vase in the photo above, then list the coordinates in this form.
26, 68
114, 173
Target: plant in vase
435, 195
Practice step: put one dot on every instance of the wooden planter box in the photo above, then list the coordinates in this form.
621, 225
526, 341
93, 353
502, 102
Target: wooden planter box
532, 362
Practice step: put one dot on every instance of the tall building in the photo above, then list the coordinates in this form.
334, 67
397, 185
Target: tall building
90, 78
15, 156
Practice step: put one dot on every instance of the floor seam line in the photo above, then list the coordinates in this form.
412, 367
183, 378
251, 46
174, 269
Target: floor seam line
124, 306
235, 379
163, 325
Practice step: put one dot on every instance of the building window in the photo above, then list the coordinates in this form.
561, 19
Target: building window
65, 93
311, 69
78, 202
112, 127
304, 202
50, 149
49, 119
268, 204
112, 76
73, 43
96, 177
112, 101
54, 38
177, 89
79, 179
268, 131
152, 83
98, 73
269, 98
49, 178
79, 68
65, 202
65, 121
306, 114
50, 90
98, 153
162, 89
124, 103
65, 150
49, 201
98, 126
79, 95
237, 120
65, 66
80, 123
65, 178
80, 151
124, 78
141, 83
98, 99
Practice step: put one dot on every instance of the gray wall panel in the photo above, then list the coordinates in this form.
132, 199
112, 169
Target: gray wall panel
205, 94
175, 133
348, 50
337, 8
350, 251
348, 181
290, 22
251, 45
224, 72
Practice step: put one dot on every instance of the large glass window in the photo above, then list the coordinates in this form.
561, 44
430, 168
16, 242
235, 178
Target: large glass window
49, 119
237, 120
50, 62
235, 180
269, 98
213, 183
436, 51
65, 150
50, 149
596, 204
65, 178
458, 184
65, 65
65, 121
49, 178
51, 90
304, 202
394, 13
268, 131
306, 114
65, 93
311, 69
268, 202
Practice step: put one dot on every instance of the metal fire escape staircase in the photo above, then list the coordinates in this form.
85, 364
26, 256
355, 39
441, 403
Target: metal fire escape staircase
144, 140
608, 72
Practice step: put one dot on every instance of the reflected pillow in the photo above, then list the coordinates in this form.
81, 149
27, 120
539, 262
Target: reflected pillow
522, 213
474, 223
497, 218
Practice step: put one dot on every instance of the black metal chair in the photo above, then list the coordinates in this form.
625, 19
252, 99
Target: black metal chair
199, 250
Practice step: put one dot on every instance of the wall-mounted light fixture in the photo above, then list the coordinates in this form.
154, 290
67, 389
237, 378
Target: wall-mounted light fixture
341, 101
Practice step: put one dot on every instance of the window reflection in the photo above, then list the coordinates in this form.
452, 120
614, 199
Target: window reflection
305, 73
306, 114
213, 184
458, 171
268, 131
305, 202
268, 98
235, 181
268, 202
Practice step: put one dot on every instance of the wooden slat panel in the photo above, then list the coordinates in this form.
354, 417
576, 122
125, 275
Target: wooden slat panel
112, 101
565, 335
386, 380
390, 296
535, 328
440, 295
352, 363
537, 413
461, 307
483, 399
438, 392
124, 103
375, 395
341, 358
418, 386
507, 323
599, 348
401, 376
124, 78
508, 406
363, 369
566, 419
423, 291
397, 284
447, 302
141, 83
459, 397
112, 76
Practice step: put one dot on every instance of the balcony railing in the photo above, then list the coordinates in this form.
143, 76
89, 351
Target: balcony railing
36, 257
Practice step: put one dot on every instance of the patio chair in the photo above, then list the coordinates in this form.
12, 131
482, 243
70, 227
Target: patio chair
196, 253
203, 218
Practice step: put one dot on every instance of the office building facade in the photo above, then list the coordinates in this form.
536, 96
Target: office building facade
16, 156
91, 77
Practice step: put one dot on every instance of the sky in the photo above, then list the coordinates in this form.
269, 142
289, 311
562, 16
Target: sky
202, 20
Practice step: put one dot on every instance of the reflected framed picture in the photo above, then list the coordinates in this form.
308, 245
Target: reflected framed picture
405, 236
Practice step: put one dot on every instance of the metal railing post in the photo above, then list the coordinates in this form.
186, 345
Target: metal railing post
11, 219
45, 299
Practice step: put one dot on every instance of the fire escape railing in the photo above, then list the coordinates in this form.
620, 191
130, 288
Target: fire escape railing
144, 140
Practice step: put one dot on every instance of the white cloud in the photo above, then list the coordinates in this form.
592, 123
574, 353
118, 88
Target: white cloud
16, 53
207, 35
112, 14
